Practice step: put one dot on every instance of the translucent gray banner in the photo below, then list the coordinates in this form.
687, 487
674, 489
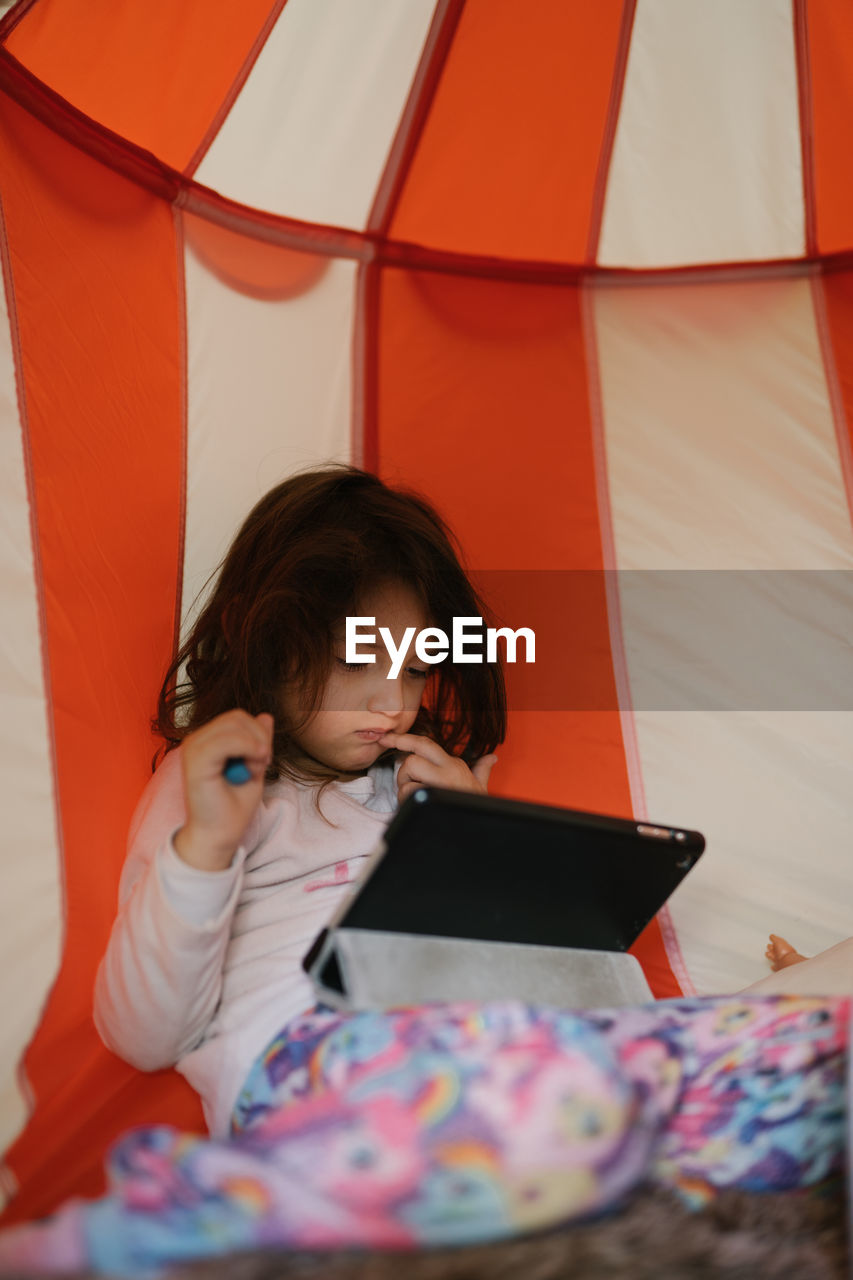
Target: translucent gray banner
679, 640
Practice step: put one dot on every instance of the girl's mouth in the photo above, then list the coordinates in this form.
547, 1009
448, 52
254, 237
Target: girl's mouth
371, 735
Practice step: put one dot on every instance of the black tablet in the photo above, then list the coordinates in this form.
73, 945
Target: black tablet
461, 865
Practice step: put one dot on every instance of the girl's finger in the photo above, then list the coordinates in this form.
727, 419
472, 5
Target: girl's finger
407, 790
418, 745
419, 771
255, 736
233, 736
483, 767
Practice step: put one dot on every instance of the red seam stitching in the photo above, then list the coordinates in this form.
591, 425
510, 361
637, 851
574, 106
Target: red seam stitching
291, 233
13, 17
66, 120
415, 115
412, 256
617, 87
369, 319
619, 666
358, 357
834, 392
804, 103
365, 420
234, 90
184, 393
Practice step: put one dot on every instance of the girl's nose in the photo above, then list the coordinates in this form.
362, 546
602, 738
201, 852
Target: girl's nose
386, 696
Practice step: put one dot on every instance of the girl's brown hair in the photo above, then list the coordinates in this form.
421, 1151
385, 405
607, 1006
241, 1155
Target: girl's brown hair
305, 556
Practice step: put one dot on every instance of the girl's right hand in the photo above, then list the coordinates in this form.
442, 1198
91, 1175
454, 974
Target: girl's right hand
218, 812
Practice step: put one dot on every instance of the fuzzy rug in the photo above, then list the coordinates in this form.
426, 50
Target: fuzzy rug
738, 1237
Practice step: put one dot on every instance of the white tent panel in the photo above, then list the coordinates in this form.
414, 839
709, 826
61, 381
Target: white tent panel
32, 886
706, 163
721, 454
269, 389
771, 792
721, 445
310, 132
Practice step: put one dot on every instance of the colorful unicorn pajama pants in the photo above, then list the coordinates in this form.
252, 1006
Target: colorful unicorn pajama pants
456, 1123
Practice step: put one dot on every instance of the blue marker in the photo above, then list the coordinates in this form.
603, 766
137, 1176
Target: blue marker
236, 771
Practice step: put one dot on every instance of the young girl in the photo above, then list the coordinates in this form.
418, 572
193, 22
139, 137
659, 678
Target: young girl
226, 886
440, 1124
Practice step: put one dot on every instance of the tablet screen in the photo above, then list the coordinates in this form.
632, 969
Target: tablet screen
472, 866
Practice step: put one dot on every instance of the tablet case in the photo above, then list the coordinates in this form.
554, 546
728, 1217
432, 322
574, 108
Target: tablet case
473, 897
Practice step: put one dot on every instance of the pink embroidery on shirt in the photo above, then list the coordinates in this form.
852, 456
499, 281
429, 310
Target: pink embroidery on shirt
340, 877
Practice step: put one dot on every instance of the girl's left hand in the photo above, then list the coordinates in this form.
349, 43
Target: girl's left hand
429, 765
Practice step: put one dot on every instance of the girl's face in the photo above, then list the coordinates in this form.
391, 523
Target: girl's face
360, 702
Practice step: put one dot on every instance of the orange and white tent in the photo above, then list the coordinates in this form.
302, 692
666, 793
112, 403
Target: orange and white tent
581, 273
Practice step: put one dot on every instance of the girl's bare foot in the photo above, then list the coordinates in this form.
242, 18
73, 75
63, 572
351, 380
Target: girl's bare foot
780, 953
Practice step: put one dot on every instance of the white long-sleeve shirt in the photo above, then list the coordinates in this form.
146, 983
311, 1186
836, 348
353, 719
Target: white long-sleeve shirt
203, 968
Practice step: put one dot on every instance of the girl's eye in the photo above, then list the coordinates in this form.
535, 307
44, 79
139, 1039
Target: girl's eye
417, 672
352, 666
